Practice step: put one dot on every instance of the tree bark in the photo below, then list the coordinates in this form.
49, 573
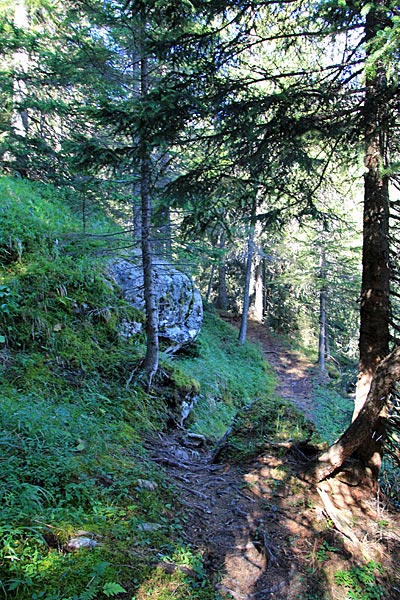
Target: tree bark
150, 365
374, 308
322, 346
363, 428
365, 436
246, 292
375, 288
257, 290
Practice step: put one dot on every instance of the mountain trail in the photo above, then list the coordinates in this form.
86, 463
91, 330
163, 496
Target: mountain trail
262, 532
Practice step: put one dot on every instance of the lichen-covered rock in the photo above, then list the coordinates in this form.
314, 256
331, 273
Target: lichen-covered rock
180, 307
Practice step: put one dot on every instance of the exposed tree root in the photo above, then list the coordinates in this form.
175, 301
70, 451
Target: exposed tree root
360, 435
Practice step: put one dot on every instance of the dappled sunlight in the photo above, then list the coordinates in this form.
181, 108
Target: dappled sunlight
292, 542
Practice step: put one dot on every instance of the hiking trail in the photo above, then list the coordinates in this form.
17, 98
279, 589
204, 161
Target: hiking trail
263, 533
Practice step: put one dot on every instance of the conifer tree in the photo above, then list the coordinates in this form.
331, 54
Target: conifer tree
372, 124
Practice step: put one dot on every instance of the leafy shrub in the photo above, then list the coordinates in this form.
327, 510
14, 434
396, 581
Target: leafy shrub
361, 582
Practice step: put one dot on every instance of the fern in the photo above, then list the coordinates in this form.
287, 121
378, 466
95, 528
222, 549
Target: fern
111, 589
90, 593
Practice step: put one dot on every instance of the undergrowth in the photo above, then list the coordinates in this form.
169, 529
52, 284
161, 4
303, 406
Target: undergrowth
73, 417
333, 412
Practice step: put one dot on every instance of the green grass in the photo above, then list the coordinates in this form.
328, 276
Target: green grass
71, 428
333, 412
231, 377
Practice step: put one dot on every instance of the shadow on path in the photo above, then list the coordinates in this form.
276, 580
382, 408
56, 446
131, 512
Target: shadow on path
264, 533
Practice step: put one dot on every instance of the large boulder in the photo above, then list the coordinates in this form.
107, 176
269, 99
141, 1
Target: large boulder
179, 302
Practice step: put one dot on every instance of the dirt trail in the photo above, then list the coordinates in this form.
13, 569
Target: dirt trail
263, 533
294, 371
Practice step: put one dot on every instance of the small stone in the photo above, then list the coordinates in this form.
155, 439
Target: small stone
195, 439
149, 526
147, 485
79, 542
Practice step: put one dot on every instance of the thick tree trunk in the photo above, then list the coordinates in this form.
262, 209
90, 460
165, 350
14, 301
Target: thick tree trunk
364, 437
363, 428
375, 301
374, 309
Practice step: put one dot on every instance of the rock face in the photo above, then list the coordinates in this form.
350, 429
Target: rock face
179, 301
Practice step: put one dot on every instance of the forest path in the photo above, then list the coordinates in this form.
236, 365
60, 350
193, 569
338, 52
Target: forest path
294, 371
249, 522
262, 532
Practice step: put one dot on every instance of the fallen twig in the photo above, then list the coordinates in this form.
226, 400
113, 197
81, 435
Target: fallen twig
192, 491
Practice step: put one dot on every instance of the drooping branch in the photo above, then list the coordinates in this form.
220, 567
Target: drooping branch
386, 374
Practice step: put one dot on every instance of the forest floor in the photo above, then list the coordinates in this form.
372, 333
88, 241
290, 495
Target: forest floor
266, 534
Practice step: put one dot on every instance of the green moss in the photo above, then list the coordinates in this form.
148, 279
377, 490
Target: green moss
180, 379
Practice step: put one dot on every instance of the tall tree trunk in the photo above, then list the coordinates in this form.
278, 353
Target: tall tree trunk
222, 298
210, 283
21, 60
257, 289
322, 346
375, 301
152, 345
364, 437
246, 291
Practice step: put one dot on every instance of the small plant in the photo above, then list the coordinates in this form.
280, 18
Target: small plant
321, 554
360, 582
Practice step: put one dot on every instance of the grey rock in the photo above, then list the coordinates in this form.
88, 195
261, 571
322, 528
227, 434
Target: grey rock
179, 302
145, 484
79, 542
149, 526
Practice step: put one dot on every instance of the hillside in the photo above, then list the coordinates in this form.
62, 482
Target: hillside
102, 494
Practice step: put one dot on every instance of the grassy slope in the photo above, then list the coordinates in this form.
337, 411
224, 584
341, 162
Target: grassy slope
71, 448
71, 435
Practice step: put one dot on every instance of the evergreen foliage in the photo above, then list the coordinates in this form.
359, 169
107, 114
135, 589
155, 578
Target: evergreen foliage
215, 133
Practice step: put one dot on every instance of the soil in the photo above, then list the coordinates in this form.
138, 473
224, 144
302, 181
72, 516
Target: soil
266, 534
